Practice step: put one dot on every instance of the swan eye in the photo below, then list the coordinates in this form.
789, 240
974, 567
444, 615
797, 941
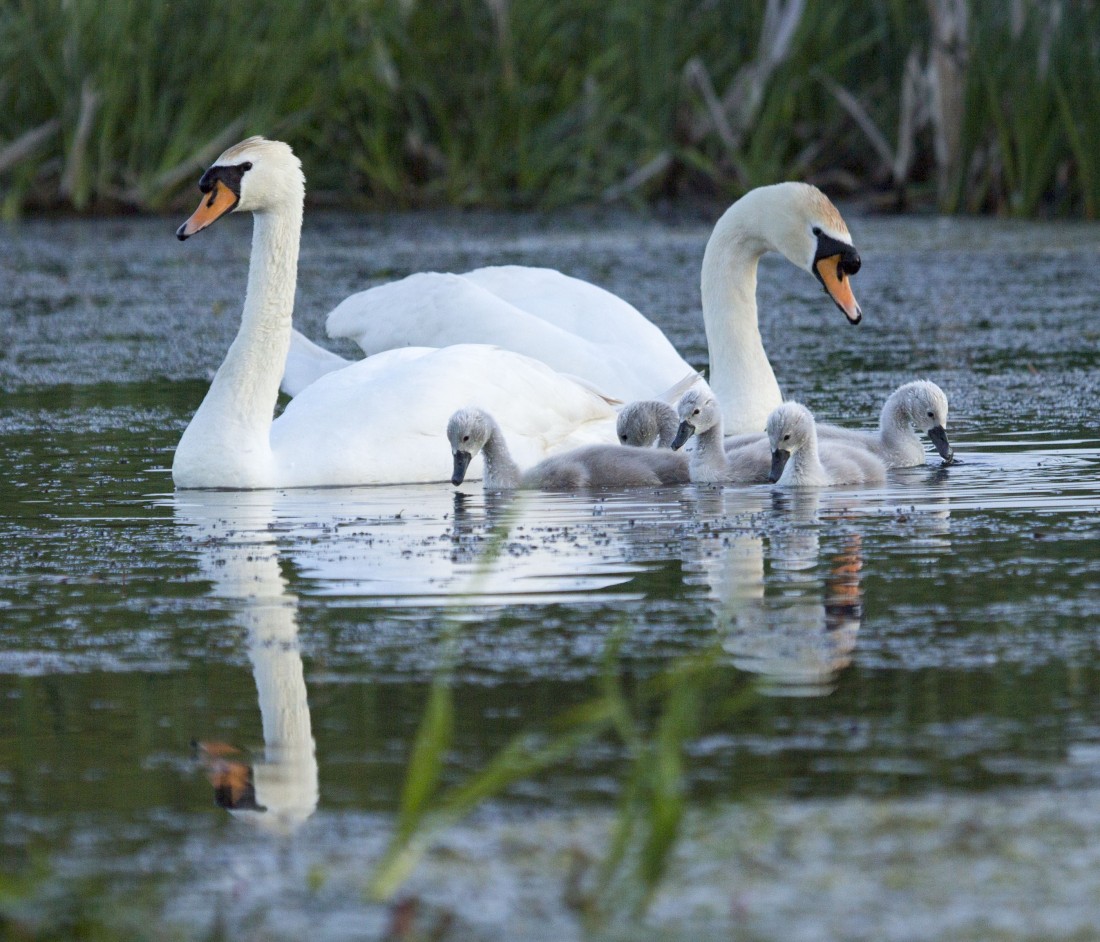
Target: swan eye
247, 165
816, 230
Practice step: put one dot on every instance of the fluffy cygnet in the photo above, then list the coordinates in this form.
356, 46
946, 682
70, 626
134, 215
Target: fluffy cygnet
800, 460
473, 431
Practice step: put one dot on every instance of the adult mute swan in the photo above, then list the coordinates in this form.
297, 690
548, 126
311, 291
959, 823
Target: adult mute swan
582, 330
375, 421
473, 431
800, 460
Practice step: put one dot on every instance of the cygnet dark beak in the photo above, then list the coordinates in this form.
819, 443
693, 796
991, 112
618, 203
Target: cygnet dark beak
779, 461
462, 462
683, 433
938, 434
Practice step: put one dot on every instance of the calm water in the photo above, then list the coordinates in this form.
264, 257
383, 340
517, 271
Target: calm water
860, 714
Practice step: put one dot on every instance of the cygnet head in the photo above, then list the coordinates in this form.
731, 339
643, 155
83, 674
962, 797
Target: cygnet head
646, 421
467, 430
801, 222
256, 175
924, 404
789, 428
699, 412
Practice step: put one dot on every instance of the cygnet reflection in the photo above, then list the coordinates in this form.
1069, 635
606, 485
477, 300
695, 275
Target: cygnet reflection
782, 611
238, 554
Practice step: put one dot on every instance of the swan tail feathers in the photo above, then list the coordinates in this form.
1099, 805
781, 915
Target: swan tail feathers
594, 389
673, 393
305, 363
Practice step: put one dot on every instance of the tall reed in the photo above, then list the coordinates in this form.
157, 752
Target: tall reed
117, 104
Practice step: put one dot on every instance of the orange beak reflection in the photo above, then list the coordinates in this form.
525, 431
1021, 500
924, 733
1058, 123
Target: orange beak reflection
215, 204
839, 287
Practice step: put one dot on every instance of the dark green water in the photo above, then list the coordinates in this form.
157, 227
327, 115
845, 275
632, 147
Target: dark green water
877, 711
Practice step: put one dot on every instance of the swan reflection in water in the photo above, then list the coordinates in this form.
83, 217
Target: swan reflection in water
392, 546
786, 609
778, 617
238, 554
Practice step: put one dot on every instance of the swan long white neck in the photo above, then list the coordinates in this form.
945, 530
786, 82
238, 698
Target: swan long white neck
740, 375
228, 441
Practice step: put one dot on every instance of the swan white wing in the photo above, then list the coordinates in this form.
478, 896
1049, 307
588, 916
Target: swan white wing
569, 324
383, 420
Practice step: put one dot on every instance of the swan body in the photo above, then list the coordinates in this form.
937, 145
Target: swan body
919, 405
800, 460
647, 422
571, 325
580, 329
713, 461
375, 421
472, 431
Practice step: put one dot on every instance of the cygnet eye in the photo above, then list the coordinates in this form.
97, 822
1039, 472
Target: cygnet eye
931, 415
696, 412
465, 438
785, 437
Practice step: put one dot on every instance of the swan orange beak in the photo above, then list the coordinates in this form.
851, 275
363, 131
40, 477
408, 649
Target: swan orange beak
215, 204
839, 286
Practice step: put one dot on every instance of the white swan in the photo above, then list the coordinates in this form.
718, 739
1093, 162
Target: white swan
800, 460
713, 461
582, 330
371, 422
921, 405
473, 431
646, 422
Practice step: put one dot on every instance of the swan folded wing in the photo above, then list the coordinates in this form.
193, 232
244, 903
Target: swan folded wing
570, 325
383, 420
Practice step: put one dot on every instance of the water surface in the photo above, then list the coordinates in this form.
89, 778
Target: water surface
869, 714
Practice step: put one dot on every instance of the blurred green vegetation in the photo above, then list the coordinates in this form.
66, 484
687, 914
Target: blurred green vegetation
969, 105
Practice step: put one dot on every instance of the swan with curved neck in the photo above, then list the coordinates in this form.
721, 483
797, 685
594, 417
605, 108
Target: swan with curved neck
798, 221
583, 330
375, 421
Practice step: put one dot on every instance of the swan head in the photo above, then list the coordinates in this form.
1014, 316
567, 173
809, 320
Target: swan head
468, 431
789, 428
646, 421
924, 405
256, 175
698, 412
801, 223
